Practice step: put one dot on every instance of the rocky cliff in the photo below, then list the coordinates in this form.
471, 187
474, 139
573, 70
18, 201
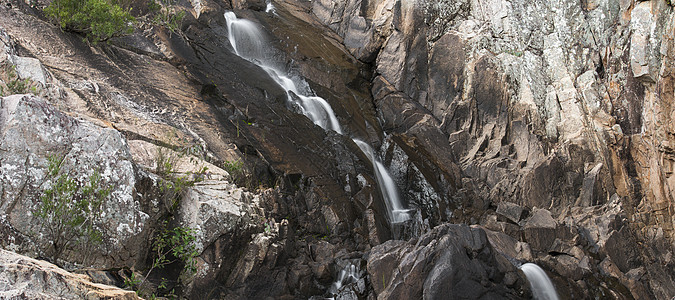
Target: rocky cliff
556, 105
546, 126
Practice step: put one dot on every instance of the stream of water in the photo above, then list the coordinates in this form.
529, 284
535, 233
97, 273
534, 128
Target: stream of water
397, 213
542, 287
250, 43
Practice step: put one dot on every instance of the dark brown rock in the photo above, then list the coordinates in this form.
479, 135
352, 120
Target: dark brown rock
539, 230
450, 261
510, 211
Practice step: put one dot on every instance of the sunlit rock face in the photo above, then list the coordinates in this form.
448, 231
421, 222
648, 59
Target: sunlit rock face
545, 125
557, 105
27, 278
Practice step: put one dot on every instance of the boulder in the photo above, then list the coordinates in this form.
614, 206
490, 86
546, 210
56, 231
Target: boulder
540, 230
216, 208
641, 49
29, 68
511, 211
32, 130
450, 261
22, 277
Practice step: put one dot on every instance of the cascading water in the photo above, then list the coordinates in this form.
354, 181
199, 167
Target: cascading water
542, 287
397, 213
270, 7
249, 43
347, 275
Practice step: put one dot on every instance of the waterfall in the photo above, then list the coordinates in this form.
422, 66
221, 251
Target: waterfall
396, 212
248, 42
270, 7
347, 275
541, 285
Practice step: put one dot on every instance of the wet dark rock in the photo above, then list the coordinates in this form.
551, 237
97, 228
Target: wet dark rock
449, 261
249, 4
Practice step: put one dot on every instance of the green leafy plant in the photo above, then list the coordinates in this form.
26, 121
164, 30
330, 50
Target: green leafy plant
172, 245
69, 209
174, 185
166, 14
132, 282
15, 85
99, 20
234, 168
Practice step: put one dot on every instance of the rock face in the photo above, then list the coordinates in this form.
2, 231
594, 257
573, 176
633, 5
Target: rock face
22, 277
32, 130
553, 105
546, 125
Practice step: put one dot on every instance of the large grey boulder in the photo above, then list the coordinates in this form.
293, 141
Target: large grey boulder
22, 277
31, 130
215, 208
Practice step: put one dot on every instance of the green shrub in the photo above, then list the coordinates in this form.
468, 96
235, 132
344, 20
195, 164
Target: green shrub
174, 185
234, 168
15, 85
170, 245
68, 210
99, 20
166, 14
173, 245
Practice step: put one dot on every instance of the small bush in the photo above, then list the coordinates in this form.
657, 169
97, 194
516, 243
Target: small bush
174, 185
170, 245
234, 168
68, 210
173, 245
99, 20
15, 85
166, 14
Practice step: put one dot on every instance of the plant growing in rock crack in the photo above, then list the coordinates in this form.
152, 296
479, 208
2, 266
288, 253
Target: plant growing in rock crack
69, 210
166, 14
174, 185
170, 245
15, 85
235, 168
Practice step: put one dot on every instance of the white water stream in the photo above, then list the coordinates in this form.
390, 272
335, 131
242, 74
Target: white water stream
347, 275
396, 212
249, 42
270, 7
542, 287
